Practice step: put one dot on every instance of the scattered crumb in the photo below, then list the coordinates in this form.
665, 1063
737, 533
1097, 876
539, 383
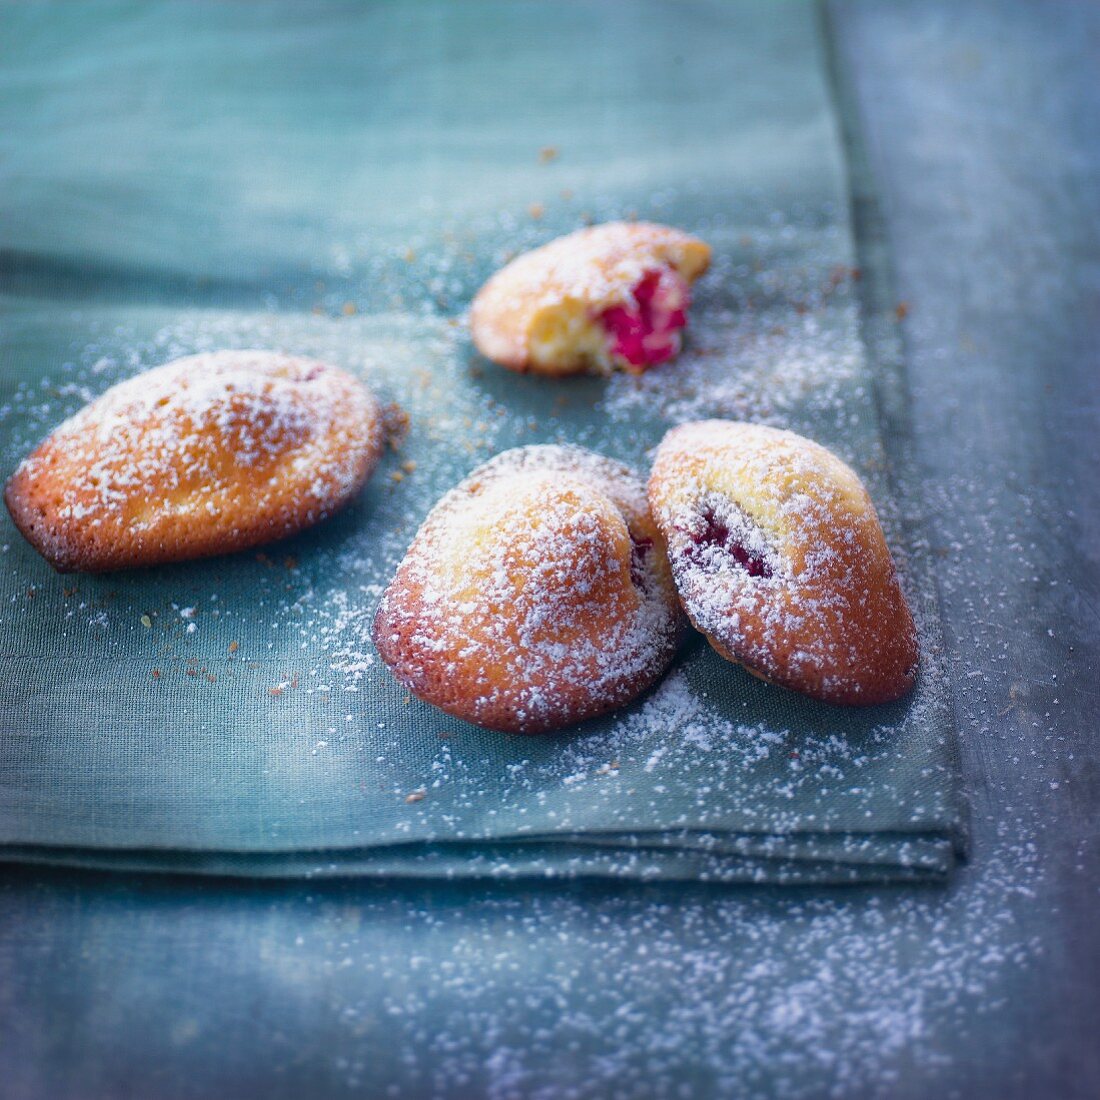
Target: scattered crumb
395, 423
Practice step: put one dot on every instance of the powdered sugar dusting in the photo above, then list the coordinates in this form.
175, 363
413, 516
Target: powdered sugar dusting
598, 266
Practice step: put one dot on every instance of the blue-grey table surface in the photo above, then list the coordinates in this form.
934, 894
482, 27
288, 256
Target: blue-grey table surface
982, 123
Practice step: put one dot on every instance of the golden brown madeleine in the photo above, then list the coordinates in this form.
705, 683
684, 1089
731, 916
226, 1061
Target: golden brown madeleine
612, 296
780, 561
202, 456
536, 594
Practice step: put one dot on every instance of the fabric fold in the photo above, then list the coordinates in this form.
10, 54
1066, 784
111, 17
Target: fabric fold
230, 717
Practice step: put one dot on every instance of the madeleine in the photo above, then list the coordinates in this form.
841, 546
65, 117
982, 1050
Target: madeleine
536, 594
612, 297
205, 455
780, 560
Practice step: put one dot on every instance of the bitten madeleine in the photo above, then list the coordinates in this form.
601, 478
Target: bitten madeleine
612, 296
779, 559
202, 456
536, 594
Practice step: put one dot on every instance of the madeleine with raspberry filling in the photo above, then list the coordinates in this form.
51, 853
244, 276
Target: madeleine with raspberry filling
614, 296
207, 454
536, 594
779, 559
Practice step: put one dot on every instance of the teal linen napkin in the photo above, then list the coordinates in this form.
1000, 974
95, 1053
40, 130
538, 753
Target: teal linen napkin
337, 180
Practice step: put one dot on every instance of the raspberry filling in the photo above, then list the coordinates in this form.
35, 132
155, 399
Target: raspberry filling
639, 548
714, 534
645, 331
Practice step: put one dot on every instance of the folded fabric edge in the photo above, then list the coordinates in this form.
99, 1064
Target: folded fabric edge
879, 329
849, 849
618, 856
894, 847
528, 861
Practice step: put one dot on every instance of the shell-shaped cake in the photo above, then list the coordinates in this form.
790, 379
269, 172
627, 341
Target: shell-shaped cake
536, 594
780, 560
205, 455
613, 296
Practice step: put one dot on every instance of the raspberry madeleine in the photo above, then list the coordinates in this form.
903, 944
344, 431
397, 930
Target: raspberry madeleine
612, 296
779, 559
536, 594
202, 456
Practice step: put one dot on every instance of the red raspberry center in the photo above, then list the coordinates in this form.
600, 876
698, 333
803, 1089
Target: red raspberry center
715, 534
645, 330
639, 549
